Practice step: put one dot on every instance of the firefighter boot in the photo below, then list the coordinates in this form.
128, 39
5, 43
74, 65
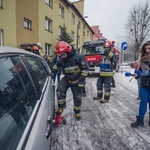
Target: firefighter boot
103, 101
78, 116
139, 122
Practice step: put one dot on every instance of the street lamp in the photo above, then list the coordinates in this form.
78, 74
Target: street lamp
77, 41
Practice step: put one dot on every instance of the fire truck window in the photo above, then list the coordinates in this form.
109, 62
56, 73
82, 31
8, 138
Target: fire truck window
17, 101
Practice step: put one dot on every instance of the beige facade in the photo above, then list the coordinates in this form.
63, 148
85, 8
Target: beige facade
39, 21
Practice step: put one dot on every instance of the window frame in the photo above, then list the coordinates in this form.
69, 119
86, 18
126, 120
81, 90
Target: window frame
61, 10
1, 3
48, 24
28, 24
1, 37
61, 29
72, 34
73, 18
49, 2
48, 48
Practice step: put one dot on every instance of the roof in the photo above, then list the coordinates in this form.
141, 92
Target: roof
13, 50
101, 41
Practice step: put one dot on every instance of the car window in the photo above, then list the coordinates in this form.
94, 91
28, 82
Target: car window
17, 101
39, 70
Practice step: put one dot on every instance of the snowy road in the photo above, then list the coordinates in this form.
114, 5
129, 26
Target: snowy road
104, 126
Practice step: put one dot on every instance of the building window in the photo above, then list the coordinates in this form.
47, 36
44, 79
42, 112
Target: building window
47, 48
72, 35
61, 29
73, 18
83, 33
79, 40
48, 2
27, 24
1, 4
83, 26
87, 33
79, 25
1, 37
61, 10
48, 24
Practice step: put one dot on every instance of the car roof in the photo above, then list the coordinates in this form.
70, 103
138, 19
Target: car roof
14, 50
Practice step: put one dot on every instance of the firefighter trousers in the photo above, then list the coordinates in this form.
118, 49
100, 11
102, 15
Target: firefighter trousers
106, 83
62, 89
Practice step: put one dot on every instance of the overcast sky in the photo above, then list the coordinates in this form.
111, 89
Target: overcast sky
110, 15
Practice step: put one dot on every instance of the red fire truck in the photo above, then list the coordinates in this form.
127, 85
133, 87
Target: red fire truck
93, 51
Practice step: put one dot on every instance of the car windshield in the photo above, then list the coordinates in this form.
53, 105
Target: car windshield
96, 49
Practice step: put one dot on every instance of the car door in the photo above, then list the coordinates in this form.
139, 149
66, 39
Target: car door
26, 102
40, 134
18, 101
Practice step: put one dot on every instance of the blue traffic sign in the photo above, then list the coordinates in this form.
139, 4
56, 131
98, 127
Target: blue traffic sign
124, 46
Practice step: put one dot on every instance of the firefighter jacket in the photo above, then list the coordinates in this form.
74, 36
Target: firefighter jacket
106, 66
74, 67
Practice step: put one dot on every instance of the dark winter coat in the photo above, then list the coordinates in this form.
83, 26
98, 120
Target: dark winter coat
145, 80
73, 67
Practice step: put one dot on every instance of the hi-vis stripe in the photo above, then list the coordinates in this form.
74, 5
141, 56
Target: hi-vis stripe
84, 73
77, 108
100, 92
106, 74
71, 68
110, 55
107, 93
62, 101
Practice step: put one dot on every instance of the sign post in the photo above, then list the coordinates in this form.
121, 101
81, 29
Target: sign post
124, 47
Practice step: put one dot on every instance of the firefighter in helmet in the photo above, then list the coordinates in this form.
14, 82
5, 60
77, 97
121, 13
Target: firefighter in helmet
106, 73
75, 70
35, 49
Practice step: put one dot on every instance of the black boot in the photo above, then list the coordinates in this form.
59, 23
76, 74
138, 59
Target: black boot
139, 122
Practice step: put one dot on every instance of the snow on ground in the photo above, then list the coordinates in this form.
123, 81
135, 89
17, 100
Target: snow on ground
104, 126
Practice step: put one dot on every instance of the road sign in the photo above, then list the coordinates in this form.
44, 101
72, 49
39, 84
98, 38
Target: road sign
124, 46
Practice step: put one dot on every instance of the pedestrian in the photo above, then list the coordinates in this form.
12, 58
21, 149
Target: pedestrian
115, 63
55, 60
48, 61
144, 85
106, 73
136, 66
75, 69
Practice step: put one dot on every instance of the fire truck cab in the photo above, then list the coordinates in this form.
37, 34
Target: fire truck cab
93, 51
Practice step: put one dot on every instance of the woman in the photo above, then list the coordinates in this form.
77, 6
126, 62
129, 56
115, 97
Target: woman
144, 85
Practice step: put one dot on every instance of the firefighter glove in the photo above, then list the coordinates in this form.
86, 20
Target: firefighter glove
81, 82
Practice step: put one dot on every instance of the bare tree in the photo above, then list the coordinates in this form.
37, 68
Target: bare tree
138, 27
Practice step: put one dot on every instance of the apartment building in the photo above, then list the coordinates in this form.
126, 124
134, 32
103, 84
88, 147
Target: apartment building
41, 22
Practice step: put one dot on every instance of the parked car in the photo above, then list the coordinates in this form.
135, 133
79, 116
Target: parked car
27, 100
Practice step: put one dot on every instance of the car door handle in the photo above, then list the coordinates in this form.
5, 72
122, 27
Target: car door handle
50, 126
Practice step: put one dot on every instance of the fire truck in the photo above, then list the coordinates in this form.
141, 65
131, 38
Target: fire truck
93, 51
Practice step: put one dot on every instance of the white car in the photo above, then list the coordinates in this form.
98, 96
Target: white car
27, 100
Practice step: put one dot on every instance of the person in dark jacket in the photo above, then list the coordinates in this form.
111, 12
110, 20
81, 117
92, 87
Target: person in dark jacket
144, 85
105, 76
55, 60
47, 60
75, 69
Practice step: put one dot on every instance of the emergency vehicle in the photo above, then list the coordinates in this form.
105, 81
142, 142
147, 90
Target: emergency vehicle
93, 51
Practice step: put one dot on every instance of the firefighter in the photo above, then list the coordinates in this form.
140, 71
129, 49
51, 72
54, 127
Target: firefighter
106, 73
35, 50
75, 70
